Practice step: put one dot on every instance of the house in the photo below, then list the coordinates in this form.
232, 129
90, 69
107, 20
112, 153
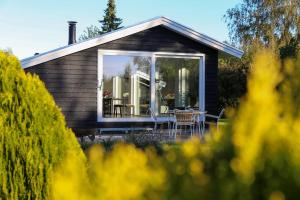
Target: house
112, 80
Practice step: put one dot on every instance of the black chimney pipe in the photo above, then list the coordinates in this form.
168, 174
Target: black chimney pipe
72, 32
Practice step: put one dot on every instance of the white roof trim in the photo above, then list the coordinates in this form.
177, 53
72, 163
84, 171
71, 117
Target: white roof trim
123, 32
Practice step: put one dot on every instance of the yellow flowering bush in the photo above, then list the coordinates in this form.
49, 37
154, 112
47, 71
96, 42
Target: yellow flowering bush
265, 132
255, 157
124, 173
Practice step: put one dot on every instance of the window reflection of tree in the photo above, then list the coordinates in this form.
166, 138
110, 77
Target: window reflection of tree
126, 80
143, 63
129, 72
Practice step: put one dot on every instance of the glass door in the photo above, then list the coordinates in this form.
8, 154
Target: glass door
126, 86
176, 83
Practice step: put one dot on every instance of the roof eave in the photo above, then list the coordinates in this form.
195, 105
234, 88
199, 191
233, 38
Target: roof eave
120, 33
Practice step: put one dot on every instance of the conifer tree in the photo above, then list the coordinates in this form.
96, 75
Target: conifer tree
34, 138
110, 21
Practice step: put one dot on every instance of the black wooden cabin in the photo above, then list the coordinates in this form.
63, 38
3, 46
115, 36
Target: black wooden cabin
113, 79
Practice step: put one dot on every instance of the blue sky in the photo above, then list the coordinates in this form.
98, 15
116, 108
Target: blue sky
29, 26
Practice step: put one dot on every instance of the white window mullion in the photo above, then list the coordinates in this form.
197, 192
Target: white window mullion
202, 84
152, 82
100, 87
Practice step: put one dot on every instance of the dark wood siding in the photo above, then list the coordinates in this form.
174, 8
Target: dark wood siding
72, 79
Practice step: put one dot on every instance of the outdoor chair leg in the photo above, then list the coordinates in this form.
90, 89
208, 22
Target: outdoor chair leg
169, 130
181, 130
176, 126
193, 126
173, 129
203, 128
155, 127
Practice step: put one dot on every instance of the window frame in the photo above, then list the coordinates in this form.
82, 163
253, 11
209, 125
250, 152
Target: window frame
153, 55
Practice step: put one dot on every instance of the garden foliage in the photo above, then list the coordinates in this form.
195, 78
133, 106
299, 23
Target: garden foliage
255, 157
232, 80
34, 138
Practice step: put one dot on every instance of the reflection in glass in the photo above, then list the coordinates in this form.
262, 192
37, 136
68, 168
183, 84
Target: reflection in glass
176, 83
126, 86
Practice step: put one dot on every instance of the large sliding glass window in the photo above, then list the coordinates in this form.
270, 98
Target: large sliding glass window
126, 86
176, 84
132, 82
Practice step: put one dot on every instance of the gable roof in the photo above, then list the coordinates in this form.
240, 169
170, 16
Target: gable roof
126, 31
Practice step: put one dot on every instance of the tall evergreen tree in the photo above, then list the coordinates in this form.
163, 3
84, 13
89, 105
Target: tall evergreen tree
110, 21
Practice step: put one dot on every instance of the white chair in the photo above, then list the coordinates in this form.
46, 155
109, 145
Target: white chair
199, 118
216, 119
184, 118
156, 122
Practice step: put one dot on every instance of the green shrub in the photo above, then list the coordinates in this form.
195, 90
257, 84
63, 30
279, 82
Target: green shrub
232, 80
33, 134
